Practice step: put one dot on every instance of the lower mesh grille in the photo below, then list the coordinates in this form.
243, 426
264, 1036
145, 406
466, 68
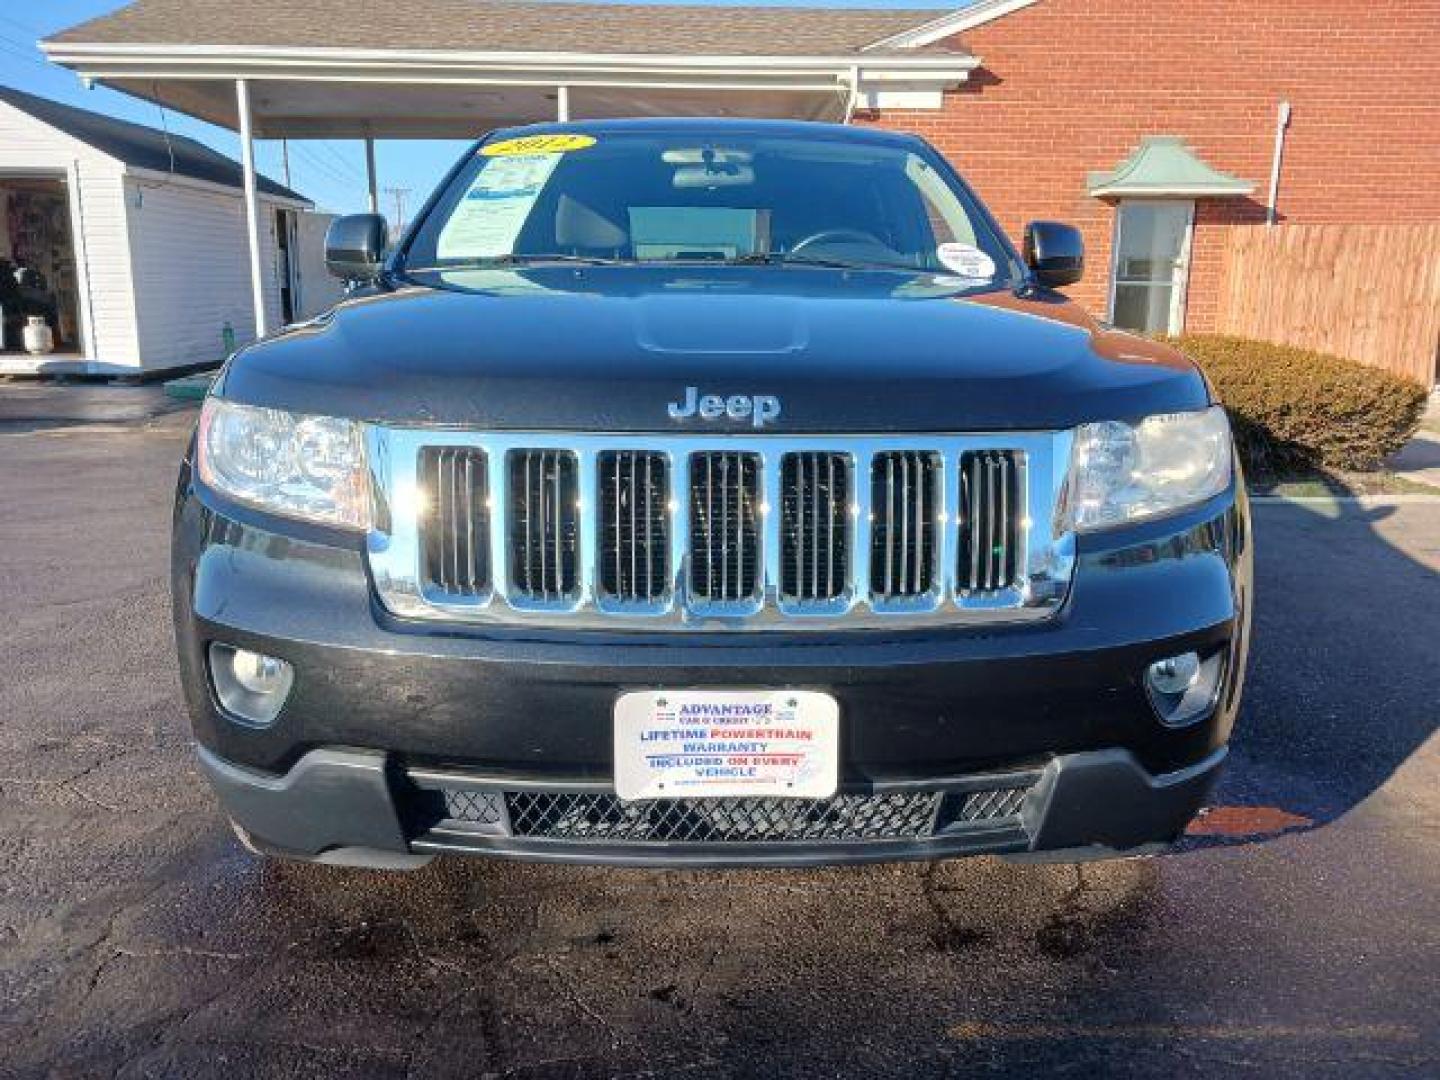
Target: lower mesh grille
604, 817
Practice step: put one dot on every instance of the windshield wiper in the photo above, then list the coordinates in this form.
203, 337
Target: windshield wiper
776, 258
488, 262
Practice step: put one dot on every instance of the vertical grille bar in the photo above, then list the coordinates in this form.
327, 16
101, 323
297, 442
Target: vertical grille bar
990, 524
905, 502
455, 548
814, 509
634, 532
724, 526
544, 524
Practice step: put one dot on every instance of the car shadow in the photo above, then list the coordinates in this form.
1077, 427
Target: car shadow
1343, 685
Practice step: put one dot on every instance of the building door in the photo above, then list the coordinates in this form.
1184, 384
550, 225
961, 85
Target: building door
1151, 265
39, 272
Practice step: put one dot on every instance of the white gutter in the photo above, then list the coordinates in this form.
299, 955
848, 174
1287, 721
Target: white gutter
80, 55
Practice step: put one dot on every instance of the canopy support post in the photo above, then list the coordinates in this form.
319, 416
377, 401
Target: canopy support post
562, 104
370, 175
252, 204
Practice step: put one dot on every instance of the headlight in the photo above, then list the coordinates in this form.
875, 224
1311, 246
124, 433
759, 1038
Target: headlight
1121, 473
307, 467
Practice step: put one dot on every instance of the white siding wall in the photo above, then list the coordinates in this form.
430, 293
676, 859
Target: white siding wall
27, 144
192, 271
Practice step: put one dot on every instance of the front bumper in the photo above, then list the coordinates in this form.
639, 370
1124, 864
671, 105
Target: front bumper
1061, 703
362, 807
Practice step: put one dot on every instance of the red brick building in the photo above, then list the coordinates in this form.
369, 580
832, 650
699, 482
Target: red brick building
1067, 88
1151, 125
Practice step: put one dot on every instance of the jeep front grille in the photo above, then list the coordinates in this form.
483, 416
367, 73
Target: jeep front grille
731, 532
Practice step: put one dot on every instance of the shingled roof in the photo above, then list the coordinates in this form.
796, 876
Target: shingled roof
140, 146
502, 26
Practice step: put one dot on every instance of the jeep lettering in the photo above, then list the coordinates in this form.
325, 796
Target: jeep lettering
760, 409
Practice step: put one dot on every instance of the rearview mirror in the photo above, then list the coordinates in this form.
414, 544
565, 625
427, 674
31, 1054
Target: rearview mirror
355, 245
1055, 252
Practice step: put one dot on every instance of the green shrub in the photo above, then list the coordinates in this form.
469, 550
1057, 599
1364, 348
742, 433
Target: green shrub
1296, 409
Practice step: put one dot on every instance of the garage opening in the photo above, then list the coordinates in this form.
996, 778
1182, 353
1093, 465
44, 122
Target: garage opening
38, 272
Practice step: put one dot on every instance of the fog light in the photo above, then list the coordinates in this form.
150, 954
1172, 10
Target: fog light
258, 673
251, 686
1174, 674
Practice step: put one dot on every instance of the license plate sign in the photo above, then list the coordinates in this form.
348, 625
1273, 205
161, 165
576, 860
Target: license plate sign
690, 744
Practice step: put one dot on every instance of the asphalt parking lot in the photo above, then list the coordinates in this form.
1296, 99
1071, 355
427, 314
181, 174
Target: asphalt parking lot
1296, 934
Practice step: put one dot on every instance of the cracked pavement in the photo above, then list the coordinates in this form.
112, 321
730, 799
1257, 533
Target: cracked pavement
1296, 934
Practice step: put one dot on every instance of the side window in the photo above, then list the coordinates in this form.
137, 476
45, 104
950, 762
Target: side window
948, 219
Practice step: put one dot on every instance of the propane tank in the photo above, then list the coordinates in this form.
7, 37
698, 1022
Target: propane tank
38, 338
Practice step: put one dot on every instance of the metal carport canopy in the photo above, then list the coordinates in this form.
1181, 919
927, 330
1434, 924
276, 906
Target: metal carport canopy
331, 69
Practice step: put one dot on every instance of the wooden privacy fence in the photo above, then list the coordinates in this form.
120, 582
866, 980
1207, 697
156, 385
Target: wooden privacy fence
1367, 292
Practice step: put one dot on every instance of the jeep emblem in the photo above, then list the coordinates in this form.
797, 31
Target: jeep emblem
760, 409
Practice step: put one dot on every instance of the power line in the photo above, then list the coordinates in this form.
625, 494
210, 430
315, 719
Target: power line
23, 26
320, 166
349, 167
12, 49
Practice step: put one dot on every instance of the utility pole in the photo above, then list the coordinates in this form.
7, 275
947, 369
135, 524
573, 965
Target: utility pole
401, 195
285, 159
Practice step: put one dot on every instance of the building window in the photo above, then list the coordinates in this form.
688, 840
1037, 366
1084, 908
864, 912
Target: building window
1151, 264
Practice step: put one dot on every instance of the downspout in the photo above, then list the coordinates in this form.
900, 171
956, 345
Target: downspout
1282, 122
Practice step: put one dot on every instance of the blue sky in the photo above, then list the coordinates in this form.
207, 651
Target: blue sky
330, 172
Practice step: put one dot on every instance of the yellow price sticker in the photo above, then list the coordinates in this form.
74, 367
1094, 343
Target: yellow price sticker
538, 144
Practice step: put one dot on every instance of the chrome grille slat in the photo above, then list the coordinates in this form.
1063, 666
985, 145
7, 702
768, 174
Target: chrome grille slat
814, 513
724, 520
733, 532
989, 560
903, 537
545, 490
456, 553
634, 501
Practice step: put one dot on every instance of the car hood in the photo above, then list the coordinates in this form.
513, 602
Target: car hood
607, 349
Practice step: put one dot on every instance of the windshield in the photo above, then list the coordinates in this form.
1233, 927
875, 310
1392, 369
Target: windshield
662, 197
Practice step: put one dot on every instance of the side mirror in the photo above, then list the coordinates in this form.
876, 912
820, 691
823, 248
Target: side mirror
1055, 252
355, 245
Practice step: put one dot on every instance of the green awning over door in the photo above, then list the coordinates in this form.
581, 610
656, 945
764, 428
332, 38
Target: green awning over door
1164, 167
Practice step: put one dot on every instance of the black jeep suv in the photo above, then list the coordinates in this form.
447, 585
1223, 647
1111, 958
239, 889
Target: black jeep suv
709, 492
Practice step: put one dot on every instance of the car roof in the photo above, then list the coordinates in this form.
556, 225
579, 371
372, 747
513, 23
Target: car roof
715, 127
